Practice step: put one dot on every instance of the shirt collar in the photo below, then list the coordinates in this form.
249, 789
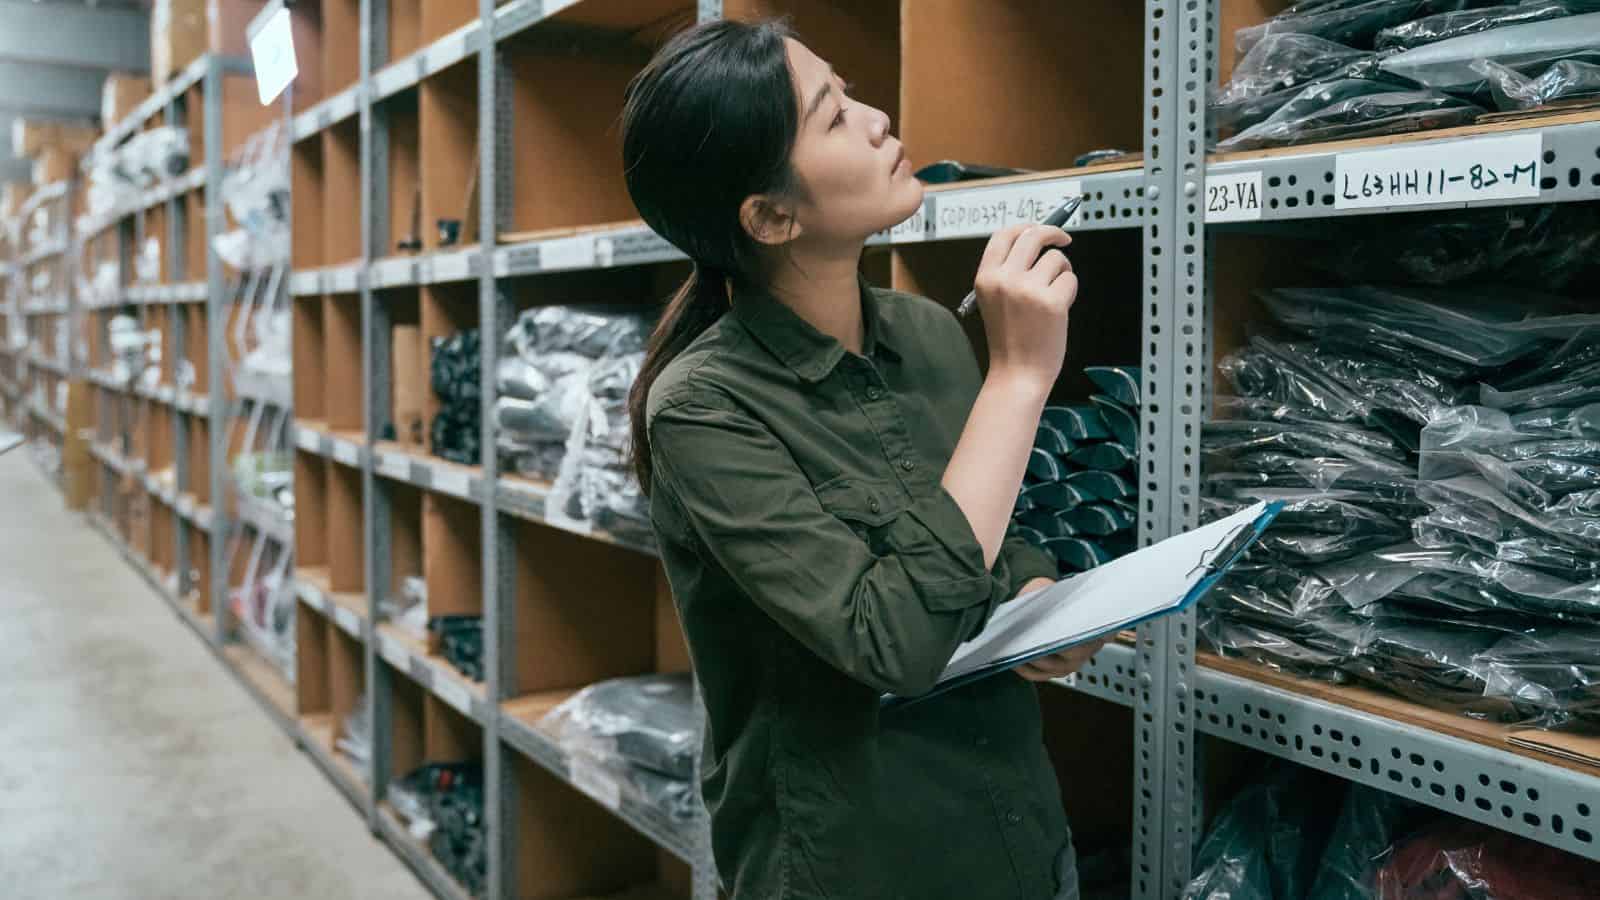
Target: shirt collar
808, 352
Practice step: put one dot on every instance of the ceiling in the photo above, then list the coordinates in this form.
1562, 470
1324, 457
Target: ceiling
55, 54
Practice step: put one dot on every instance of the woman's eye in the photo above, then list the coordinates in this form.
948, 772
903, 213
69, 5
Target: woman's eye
838, 119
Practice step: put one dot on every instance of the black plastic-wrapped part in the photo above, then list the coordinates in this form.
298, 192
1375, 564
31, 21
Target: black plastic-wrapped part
1354, 23
453, 372
1353, 108
1551, 676
461, 642
451, 796
1369, 822
1269, 840
1567, 79
1446, 25
1433, 664
1275, 70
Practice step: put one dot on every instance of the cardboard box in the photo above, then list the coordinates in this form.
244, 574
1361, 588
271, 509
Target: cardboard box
120, 93
181, 31
12, 193
53, 165
77, 466
30, 137
409, 377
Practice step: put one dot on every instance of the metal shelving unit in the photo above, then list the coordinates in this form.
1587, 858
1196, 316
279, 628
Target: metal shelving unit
1175, 696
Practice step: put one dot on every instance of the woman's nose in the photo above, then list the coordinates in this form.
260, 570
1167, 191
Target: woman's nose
879, 126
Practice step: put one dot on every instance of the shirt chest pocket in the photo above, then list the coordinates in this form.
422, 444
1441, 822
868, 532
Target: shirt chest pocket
869, 507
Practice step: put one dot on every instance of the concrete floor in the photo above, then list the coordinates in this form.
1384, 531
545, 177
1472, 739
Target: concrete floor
132, 765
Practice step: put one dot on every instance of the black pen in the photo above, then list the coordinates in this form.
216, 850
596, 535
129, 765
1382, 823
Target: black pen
1056, 219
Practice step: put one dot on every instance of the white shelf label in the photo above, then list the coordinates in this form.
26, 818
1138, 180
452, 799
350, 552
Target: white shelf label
348, 620
447, 480
306, 439
453, 692
1488, 168
595, 782
913, 230
394, 466
974, 213
567, 253
186, 506
346, 452
1234, 197
394, 652
313, 598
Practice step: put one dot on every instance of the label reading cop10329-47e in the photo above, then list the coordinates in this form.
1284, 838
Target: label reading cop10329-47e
1485, 168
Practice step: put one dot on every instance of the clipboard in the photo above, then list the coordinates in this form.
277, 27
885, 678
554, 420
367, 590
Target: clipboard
1158, 580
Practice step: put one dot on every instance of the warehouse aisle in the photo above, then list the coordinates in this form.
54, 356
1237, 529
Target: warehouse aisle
132, 765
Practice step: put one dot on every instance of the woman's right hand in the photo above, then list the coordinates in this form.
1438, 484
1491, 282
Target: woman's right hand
1025, 299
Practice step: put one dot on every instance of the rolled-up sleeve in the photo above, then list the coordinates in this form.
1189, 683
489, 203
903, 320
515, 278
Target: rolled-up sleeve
889, 619
1024, 562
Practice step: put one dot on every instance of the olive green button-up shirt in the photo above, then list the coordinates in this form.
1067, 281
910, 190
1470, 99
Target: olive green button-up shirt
817, 563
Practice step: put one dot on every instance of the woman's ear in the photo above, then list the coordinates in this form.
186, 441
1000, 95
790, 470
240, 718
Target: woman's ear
768, 221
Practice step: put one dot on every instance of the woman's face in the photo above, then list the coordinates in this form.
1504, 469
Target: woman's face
856, 179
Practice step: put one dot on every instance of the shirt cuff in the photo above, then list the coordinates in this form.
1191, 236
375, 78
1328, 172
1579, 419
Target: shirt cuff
935, 543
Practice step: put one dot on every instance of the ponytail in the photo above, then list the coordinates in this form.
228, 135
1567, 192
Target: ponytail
697, 305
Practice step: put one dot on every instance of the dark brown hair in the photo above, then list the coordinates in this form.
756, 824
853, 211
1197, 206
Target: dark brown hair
710, 121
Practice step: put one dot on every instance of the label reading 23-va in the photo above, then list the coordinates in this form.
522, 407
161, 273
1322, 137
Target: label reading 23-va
1497, 168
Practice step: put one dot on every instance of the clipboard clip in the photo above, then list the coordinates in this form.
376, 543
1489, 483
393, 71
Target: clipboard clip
1223, 554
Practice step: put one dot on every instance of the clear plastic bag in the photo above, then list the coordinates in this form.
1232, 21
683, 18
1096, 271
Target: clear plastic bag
1267, 842
1368, 822
1432, 664
1354, 23
1261, 372
1352, 108
646, 720
1580, 387
1446, 25
1566, 79
1275, 70
1453, 858
1550, 675
1449, 65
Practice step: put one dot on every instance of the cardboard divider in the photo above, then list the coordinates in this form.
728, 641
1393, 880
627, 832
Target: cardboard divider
306, 23
346, 676
407, 225
447, 130
341, 214
341, 332
199, 459
962, 97
310, 376
408, 371
405, 532
306, 189
405, 27
194, 251
200, 569
198, 354
312, 652
310, 510
585, 611
565, 105
447, 735
440, 17
1105, 325
155, 228
444, 310
341, 35
164, 539
567, 844
346, 567
648, 21
406, 725
242, 113
452, 557
162, 437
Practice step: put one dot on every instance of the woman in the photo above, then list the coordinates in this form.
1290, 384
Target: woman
831, 483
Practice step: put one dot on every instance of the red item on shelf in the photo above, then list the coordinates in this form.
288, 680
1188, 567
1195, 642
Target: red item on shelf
1454, 860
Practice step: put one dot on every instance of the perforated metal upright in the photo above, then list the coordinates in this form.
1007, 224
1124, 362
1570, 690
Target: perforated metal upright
376, 536
1174, 370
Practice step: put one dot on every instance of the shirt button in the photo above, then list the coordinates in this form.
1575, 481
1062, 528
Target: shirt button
908, 464
1014, 818
873, 504
873, 393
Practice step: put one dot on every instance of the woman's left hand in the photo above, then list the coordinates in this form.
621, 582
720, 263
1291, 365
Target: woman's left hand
1062, 664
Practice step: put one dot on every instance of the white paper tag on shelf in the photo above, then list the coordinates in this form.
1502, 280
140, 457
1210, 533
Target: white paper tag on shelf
449, 480
983, 211
1485, 168
452, 266
313, 598
1233, 197
346, 452
272, 49
595, 782
393, 465
348, 620
395, 652
186, 506
567, 253
453, 692
307, 439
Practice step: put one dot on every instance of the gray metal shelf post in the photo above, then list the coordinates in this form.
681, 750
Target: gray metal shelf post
177, 253
376, 524
216, 356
